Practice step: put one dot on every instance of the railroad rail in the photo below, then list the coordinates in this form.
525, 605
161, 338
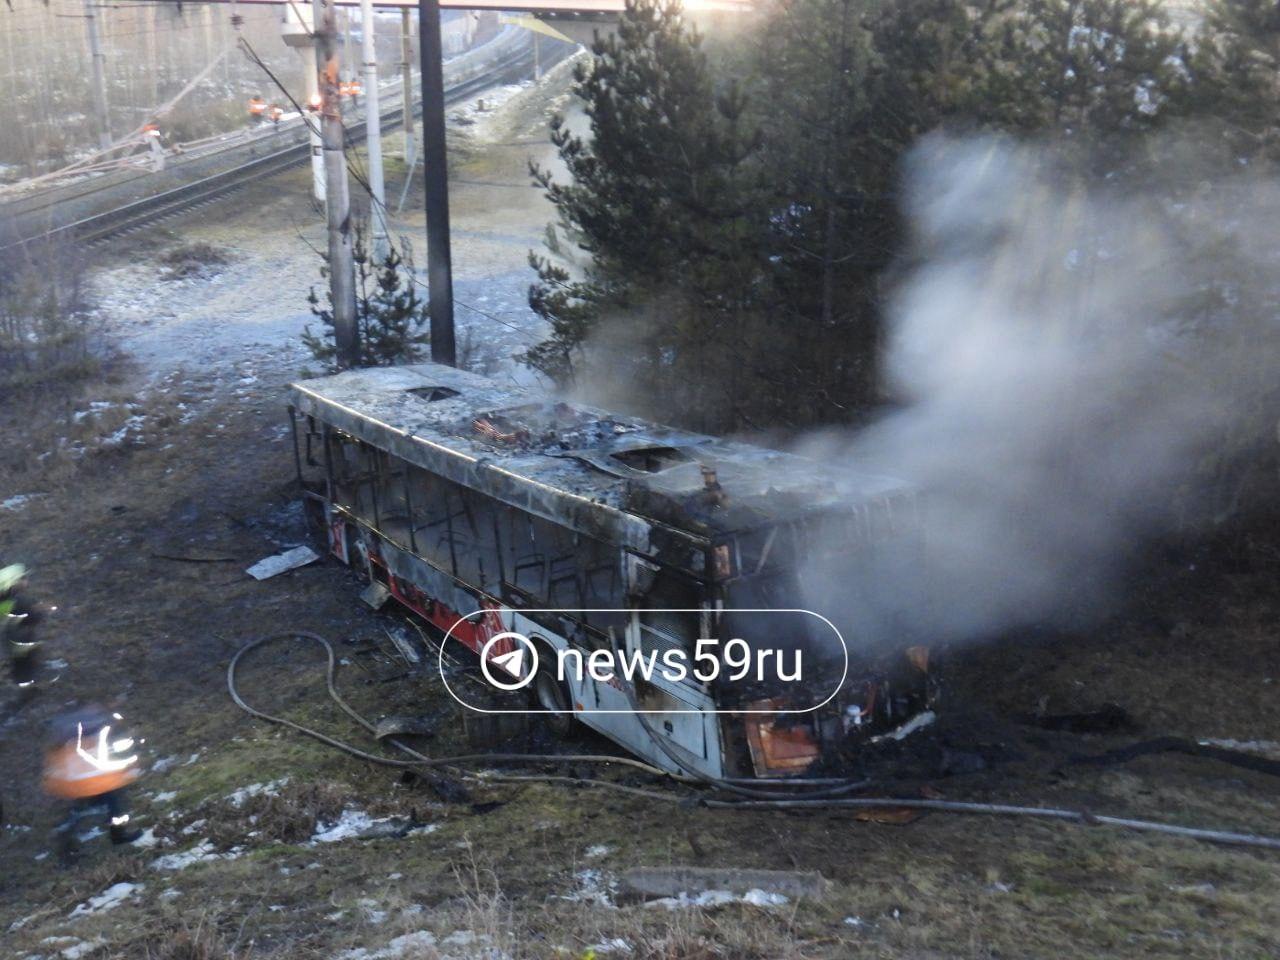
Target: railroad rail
160, 206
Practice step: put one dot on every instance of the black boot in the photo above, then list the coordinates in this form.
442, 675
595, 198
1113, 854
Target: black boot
122, 834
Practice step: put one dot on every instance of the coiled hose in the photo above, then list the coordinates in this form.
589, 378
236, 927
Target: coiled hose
825, 798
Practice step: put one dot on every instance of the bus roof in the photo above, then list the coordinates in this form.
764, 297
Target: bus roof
603, 474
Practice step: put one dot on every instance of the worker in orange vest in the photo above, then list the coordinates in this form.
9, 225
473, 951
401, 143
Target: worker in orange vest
257, 107
91, 764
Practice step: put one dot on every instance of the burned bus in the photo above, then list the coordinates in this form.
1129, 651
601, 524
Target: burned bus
488, 511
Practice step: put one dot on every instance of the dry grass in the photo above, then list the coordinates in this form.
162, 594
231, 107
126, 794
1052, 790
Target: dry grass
185, 940
290, 815
193, 260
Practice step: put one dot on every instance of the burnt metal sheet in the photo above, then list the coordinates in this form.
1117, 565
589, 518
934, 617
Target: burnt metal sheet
606, 475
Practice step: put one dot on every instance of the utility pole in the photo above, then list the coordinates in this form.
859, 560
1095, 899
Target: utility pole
373, 131
297, 29
152, 67
406, 85
342, 283
99, 75
436, 177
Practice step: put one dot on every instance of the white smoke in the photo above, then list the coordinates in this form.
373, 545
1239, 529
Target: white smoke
1068, 362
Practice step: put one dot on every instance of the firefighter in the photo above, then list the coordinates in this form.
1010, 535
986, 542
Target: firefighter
19, 618
91, 763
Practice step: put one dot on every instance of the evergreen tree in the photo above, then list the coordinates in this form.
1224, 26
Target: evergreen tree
1095, 70
1236, 64
660, 206
390, 316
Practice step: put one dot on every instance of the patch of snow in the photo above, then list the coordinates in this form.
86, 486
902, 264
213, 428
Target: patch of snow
350, 824
615, 945
270, 789
166, 797
195, 826
200, 853
594, 886
81, 949
1268, 748
18, 501
718, 898
371, 911
146, 840
163, 764
108, 899
405, 945
597, 851
170, 893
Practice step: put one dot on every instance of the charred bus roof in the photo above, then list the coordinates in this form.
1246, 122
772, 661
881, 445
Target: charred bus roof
602, 474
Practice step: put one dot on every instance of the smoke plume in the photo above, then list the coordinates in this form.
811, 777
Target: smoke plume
1076, 369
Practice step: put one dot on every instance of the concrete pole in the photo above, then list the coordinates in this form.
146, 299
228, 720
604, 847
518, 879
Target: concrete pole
99, 60
373, 130
310, 71
342, 282
436, 177
149, 54
406, 85
345, 68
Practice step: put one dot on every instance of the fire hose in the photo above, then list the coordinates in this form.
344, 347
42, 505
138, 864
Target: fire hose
824, 799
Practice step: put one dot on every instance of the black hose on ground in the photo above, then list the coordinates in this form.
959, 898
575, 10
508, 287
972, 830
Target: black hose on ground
769, 802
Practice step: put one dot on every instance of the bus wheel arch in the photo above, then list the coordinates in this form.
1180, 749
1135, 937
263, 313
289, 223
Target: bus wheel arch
551, 694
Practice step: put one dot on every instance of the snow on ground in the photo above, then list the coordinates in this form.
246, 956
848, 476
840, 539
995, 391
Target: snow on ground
18, 501
718, 898
108, 899
471, 946
237, 326
238, 797
200, 853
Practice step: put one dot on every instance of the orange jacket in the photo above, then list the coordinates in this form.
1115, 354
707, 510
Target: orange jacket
79, 770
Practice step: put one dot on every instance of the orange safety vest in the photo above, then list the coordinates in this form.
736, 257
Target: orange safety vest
68, 774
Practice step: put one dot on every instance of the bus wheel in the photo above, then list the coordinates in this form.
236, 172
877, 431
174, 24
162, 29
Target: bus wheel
553, 697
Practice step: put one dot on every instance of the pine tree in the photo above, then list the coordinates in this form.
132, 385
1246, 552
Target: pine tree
1237, 65
658, 208
390, 316
1095, 70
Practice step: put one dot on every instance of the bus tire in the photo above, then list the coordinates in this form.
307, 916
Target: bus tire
551, 694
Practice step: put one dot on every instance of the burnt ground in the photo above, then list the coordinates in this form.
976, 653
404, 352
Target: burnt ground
523, 870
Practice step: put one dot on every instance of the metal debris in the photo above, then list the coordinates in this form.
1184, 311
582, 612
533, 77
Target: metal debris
282, 563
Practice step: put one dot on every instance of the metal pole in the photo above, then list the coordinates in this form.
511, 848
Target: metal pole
406, 86
436, 178
342, 282
99, 60
373, 127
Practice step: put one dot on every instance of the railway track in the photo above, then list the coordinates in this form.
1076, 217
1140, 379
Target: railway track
147, 211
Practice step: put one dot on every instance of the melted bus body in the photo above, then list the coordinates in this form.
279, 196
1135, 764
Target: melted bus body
586, 531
